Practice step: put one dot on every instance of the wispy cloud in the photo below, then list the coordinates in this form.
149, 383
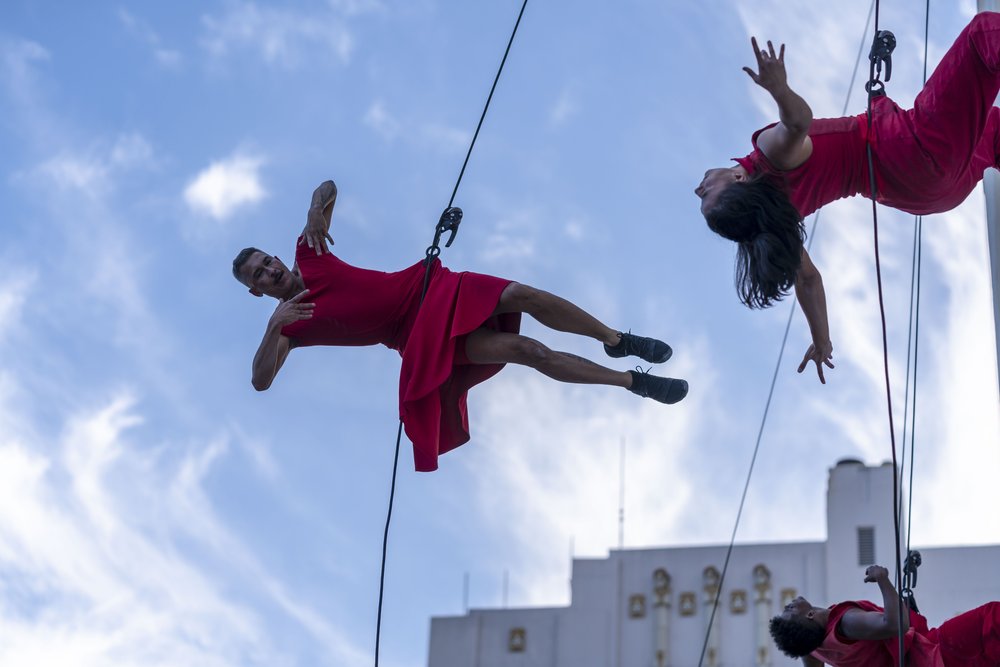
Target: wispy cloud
429, 135
511, 238
18, 56
546, 477
565, 106
280, 37
165, 56
12, 298
225, 186
92, 528
380, 120
91, 172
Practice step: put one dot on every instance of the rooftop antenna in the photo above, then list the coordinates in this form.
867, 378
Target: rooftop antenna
621, 496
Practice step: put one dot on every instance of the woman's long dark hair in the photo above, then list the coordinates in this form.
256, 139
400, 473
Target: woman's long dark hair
760, 218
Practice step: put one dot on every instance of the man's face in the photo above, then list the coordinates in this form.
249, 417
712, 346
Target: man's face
266, 274
798, 609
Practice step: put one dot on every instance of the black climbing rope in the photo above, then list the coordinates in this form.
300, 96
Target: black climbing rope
913, 557
774, 376
881, 54
449, 222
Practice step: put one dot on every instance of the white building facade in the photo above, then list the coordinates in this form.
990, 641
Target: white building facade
651, 607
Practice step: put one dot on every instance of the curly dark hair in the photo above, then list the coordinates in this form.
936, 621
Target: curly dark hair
796, 637
758, 215
241, 258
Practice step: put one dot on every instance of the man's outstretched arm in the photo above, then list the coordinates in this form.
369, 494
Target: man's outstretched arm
872, 625
274, 347
317, 230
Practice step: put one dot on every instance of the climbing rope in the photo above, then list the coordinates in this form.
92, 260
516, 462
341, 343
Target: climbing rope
881, 54
913, 557
774, 376
449, 222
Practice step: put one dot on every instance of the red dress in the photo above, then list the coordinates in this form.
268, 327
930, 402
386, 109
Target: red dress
357, 306
840, 651
971, 639
928, 158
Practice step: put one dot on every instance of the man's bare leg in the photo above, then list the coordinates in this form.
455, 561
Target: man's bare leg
486, 346
559, 314
554, 312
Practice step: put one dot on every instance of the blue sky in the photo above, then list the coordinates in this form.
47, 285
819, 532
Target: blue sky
155, 510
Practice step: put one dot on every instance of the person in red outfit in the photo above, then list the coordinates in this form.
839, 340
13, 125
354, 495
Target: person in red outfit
863, 634
927, 160
463, 333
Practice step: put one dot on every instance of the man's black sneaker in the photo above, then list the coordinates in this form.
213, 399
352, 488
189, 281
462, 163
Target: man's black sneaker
664, 390
649, 350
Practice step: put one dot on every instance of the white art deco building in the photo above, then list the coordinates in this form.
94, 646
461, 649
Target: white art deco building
651, 607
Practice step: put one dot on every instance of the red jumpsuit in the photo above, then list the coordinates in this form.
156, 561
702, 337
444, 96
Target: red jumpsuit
971, 639
357, 306
927, 159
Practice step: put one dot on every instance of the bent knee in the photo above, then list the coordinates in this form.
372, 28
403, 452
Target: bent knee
529, 352
517, 297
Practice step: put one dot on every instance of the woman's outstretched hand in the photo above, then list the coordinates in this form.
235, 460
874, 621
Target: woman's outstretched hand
770, 74
820, 354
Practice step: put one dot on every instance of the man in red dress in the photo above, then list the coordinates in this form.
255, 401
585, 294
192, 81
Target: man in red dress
462, 333
860, 633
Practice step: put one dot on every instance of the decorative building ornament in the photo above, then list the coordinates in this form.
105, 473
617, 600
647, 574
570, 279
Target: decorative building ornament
787, 595
517, 640
710, 578
761, 578
738, 601
661, 584
637, 606
688, 604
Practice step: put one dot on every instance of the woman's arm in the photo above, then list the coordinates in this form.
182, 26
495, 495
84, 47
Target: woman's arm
812, 299
787, 144
872, 625
317, 230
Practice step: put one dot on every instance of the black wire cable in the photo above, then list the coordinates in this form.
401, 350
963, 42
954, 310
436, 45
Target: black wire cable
774, 377
432, 252
915, 274
875, 89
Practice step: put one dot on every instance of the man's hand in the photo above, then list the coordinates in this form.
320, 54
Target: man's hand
770, 74
292, 310
317, 231
820, 354
875, 574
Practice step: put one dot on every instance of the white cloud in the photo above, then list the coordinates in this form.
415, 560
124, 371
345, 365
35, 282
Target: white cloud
512, 238
450, 139
550, 475
92, 530
12, 298
429, 135
354, 7
565, 107
380, 120
167, 57
280, 37
92, 172
225, 186
18, 55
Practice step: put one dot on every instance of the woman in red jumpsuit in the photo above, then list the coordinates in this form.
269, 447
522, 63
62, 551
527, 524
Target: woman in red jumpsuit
927, 160
464, 331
